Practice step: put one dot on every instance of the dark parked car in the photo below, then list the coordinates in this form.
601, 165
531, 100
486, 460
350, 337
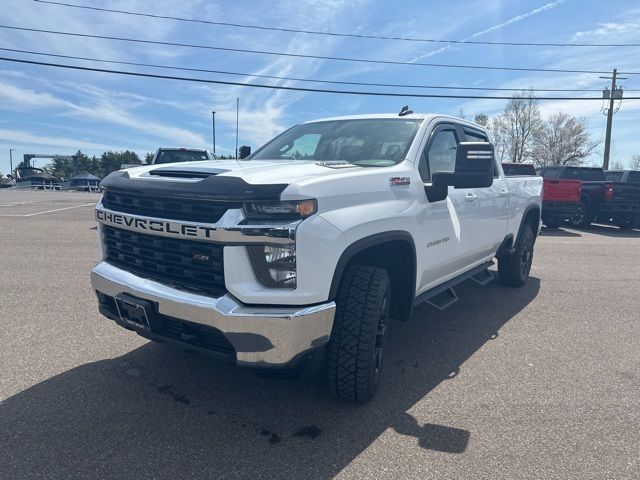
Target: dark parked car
595, 191
624, 207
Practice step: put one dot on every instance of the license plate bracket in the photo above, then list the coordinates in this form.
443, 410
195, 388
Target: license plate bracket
134, 311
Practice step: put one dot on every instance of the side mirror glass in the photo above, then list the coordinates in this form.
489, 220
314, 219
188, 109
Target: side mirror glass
474, 167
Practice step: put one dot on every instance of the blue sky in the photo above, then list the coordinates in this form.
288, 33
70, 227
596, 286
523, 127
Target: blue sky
45, 110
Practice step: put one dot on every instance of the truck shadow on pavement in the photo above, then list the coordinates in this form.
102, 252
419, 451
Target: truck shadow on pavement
558, 232
612, 231
161, 413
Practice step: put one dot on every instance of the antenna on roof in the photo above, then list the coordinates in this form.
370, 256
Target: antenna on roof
405, 111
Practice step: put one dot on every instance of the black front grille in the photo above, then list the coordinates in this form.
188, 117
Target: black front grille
189, 265
174, 208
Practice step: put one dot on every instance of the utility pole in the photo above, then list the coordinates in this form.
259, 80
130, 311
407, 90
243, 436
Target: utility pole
237, 115
213, 114
11, 161
613, 95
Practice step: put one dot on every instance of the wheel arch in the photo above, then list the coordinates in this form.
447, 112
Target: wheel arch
531, 217
395, 252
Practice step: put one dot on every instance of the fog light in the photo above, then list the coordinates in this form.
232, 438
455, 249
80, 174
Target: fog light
274, 266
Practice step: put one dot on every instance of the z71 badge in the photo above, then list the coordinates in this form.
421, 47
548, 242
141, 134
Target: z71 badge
397, 181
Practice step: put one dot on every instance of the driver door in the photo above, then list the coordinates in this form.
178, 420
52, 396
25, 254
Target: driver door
449, 226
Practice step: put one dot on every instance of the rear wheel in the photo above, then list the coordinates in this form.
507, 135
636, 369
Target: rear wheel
354, 357
582, 217
627, 222
514, 269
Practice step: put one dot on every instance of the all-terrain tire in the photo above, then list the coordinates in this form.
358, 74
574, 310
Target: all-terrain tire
583, 216
513, 269
354, 356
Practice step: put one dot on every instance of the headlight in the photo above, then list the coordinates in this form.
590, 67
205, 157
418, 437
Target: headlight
274, 266
280, 210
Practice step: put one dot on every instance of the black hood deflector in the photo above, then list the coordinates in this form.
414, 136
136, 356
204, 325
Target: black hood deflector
214, 187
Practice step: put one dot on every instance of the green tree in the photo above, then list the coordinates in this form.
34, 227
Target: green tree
112, 161
148, 158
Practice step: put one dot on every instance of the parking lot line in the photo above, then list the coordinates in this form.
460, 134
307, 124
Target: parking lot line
50, 211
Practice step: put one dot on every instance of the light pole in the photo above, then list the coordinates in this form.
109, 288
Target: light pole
213, 127
11, 161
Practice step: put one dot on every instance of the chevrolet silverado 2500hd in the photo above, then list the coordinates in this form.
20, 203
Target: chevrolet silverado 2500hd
305, 249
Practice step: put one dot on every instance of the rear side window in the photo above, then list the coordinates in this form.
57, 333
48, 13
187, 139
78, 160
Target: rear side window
613, 176
549, 173
634, 177
475, 136
584, 174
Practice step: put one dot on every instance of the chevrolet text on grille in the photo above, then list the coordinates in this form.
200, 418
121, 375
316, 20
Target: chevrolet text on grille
236, 234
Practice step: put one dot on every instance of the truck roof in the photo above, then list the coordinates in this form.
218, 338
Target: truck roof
411, 116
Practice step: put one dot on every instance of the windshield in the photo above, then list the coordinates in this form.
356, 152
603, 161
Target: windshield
366, 142
172, 156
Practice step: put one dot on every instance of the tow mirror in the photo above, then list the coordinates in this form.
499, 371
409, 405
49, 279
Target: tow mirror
474, 167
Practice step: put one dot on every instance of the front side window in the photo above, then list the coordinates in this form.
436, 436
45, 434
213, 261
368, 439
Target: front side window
441, 154
363, 142
634, 177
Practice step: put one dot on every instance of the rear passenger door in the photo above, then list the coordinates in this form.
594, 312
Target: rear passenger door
493, 204
449, 226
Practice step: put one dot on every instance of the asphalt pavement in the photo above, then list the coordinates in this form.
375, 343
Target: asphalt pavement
538, 382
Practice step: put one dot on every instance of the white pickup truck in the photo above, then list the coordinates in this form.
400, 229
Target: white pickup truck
305, 249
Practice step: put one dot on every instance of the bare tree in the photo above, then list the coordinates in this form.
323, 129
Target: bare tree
616, 165
518, 124
461, 114
635, 162
562, 140
497, 130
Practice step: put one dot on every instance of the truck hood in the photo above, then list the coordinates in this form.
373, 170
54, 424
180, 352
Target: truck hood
251, 171
228, 180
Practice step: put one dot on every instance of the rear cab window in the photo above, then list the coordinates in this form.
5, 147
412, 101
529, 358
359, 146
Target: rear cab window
583, 174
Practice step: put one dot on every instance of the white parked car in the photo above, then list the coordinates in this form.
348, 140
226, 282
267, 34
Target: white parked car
306, 248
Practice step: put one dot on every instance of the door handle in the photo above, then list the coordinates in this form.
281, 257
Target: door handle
504, 193
471, 197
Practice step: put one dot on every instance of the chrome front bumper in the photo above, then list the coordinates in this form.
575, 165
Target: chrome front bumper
261, 336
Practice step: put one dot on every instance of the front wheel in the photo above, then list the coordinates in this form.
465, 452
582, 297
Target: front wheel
354, 356
514, 269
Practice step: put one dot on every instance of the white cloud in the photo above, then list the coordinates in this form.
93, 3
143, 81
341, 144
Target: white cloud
610, 29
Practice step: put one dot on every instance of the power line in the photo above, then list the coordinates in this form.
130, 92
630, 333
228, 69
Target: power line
334, 34
279, 87
299, 55
298, 79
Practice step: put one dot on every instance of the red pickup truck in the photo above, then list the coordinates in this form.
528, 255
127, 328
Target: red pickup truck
560, 201
560, 197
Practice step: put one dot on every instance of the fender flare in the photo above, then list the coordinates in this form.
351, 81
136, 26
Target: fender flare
507, 246
363, 244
